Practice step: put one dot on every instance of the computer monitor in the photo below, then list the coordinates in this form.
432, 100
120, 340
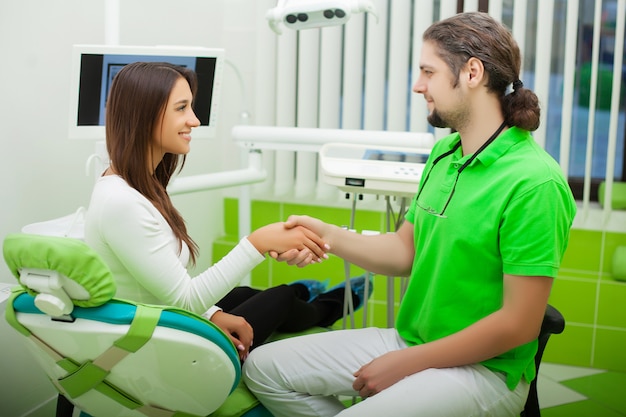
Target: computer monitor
93, 69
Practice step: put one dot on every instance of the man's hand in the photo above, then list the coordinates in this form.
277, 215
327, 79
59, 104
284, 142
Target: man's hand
311, 223
379, 374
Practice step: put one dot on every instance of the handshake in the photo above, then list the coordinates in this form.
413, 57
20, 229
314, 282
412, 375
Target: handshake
300, 241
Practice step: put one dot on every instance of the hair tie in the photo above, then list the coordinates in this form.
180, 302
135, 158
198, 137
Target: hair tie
517, 84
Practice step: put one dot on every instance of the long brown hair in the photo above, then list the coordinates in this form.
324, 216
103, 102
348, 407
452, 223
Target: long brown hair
478, 35
137, 100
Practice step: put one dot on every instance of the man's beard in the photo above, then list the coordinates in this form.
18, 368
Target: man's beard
435, 120
455, 120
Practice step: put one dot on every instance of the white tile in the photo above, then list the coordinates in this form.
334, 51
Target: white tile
556, 372
552, 393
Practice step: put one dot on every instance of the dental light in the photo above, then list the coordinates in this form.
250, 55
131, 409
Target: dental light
305, 14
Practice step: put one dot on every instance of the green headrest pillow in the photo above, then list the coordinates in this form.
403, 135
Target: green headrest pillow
68, 256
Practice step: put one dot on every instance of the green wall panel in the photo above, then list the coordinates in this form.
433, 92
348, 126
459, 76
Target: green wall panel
612, 306
583, 251
610, 350
572, 347
575, 299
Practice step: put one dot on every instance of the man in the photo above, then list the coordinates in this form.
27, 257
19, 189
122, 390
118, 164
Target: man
482, 242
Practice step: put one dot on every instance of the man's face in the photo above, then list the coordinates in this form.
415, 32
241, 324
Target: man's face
444, 96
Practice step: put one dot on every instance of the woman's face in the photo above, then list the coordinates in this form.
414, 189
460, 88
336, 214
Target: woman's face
173, 130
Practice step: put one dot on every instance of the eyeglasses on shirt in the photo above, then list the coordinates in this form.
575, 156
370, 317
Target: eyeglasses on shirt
438, 213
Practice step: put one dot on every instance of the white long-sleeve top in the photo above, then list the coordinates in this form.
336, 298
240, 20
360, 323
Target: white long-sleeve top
140, 248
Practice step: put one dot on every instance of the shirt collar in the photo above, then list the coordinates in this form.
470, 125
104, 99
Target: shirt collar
495, 150
511, 137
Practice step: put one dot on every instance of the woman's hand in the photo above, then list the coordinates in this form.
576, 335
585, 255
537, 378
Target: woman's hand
238, 329
278, 238
302, 257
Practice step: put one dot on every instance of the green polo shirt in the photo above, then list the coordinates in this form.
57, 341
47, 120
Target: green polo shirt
510, 213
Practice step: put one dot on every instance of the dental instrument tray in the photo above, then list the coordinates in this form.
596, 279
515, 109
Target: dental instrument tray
369, 169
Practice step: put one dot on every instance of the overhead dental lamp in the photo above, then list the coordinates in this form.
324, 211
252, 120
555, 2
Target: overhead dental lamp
306, 14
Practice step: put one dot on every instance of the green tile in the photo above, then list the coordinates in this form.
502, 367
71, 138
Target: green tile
356, 322
231, 216
572, 347
363, 219
575, 299
583, 251
379, 314
380, 288
577, 274
585, 408
608, 276
371, 314
381, 282
259, 276
610, 350
333, 215
611, 306
222, 246
265, 212
331, 268
606, 389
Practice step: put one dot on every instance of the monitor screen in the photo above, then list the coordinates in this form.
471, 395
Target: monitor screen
395, 156
93, 69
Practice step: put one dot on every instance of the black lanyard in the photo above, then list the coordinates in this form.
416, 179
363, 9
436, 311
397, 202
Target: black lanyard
469, 161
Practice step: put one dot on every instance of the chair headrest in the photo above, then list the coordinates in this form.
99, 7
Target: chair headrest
52, 266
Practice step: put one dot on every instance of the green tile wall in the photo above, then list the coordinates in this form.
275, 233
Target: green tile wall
593, 303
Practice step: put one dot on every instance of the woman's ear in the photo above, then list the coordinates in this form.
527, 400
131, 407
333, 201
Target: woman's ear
475, 72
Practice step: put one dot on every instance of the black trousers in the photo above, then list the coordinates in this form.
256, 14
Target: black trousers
283, 308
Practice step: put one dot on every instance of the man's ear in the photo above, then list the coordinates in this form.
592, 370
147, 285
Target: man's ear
475, 72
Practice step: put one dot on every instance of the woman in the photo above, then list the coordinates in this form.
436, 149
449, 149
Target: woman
133, 225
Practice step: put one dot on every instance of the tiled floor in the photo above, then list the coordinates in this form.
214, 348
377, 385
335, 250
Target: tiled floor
568, 391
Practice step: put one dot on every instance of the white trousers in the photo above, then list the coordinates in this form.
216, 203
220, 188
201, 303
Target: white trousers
301, 376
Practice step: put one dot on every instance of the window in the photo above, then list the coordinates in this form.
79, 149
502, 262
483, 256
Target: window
581, 111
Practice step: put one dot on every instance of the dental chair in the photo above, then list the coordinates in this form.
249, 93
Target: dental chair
111, 357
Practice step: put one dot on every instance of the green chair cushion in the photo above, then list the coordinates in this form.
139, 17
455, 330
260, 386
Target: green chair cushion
70, 257
239, 402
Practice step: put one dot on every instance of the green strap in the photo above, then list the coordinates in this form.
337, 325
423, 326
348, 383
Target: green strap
83, 379
105, 388
92, 373
10, 312
141, 329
